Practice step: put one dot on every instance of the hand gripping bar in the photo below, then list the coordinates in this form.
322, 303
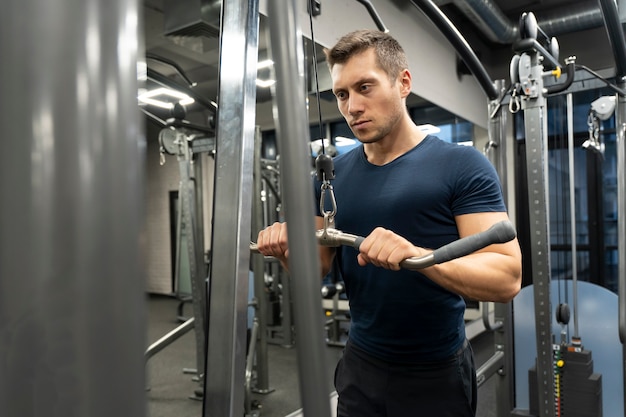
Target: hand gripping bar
500, 232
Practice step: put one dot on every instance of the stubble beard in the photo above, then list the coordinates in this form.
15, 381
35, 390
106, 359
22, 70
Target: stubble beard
379, 132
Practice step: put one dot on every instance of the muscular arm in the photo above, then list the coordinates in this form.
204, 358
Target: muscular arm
491, 274
272, 241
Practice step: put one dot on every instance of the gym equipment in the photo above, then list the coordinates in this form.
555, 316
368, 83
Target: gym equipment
293, 123
336, 308
187, 143
563, 374
274, 283
227, 298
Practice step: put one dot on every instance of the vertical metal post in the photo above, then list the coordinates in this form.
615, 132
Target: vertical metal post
572, 200
620, 127
293, 133
499, 131
503, 313
228, 285
72, 307
191, 220
258, 266
536, 158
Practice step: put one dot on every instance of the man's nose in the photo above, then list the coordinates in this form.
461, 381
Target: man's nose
355, 105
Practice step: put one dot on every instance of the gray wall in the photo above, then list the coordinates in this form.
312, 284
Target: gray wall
160, 180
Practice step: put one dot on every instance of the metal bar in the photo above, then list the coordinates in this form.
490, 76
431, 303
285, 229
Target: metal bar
616, 35
190, 225
572, 206
374, 15
293, 130
503, 340
490, 367
620, 128
447, 28
258, 267
72, 301
497, 133
169, 338
229, 278
254, 335
496, 151
536, 159
486, 317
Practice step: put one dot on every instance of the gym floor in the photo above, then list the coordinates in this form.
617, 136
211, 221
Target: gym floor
170, 388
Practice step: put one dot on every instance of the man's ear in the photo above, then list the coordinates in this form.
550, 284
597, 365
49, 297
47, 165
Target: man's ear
406, 82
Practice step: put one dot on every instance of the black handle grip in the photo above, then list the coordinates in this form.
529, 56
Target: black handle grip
357, 242
500, 232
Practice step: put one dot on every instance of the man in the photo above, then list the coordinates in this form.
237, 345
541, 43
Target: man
407, 193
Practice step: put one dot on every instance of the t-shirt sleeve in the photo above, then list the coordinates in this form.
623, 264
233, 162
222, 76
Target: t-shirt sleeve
478, 187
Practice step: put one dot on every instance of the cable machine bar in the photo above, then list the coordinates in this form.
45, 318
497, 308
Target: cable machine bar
293, 133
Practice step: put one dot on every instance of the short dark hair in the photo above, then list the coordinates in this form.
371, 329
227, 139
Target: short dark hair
390, 56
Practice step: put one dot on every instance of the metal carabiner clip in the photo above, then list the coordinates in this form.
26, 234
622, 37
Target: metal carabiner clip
329, 215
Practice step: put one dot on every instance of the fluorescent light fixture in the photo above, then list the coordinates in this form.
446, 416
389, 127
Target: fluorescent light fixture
266, 63
149, 97
429, 129
343, 141
265, 83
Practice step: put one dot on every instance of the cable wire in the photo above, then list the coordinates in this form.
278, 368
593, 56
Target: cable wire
317, 86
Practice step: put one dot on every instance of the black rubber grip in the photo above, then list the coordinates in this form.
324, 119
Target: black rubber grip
500, 232
357, 242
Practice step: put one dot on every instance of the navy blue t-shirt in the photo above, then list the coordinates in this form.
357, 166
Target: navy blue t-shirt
403, 316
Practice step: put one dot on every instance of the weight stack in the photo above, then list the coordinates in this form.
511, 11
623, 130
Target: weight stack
580, 388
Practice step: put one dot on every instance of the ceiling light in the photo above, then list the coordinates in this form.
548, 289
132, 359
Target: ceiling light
266, 63
165, 95
429, 129
265, 83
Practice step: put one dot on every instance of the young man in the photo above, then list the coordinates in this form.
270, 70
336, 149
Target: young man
407, 193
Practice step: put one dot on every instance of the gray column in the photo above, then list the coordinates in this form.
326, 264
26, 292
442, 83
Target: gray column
230, 265
72, 311
293, 134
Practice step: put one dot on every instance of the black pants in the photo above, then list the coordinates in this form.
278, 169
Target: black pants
369, 387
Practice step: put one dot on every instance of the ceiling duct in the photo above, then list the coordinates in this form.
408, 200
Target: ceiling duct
192, 18
497, 27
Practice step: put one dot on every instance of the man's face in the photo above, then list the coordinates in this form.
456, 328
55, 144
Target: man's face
371, 103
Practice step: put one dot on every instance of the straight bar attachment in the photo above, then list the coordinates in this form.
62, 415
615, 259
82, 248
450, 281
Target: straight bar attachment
500, 232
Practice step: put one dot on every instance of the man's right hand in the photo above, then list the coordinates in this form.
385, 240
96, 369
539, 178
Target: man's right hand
272, 241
